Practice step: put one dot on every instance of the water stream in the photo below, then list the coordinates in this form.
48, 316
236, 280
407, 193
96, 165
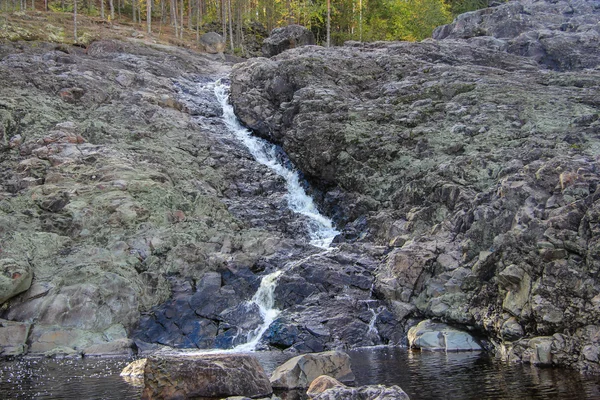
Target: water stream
321, 229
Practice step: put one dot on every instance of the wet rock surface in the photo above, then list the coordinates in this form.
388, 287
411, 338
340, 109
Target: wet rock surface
473, 158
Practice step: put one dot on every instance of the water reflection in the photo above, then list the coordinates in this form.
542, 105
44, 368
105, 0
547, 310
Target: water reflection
91, 378
468, 375
427, 375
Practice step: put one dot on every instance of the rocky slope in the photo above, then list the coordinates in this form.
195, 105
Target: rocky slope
129, 213
111, 195
473, 157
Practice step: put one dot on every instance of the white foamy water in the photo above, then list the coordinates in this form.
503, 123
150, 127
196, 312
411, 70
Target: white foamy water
321, 228
264, 298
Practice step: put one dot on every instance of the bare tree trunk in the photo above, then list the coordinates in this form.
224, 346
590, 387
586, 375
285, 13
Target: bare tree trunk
360, 20
102, 9
241, 11
181, 24
174, 16
133, 10
149, 15
224, 20
190, 12
329, 23
230, 24
75, 20
198, 19
111, 4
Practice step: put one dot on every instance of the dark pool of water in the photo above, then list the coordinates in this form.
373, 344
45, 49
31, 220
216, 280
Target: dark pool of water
426, 376
469, 375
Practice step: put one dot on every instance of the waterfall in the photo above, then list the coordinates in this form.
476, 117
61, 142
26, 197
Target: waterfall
265, 300
321, 228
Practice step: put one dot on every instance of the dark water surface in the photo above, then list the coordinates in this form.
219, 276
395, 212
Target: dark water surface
425, 376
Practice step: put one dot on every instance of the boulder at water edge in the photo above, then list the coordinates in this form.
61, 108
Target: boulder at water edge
371, 392
13, 337
135, 369
299, 372
429, 335
204, 376
287, 37
323, 383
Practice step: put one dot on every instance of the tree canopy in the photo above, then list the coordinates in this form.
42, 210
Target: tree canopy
363, 20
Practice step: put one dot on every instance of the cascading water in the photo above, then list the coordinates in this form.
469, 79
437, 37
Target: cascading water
265, 300
320, 228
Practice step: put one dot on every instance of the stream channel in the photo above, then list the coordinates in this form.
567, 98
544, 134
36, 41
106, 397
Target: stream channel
423, 375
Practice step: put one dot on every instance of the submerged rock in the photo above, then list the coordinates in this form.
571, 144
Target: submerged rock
429, 335
370, 392
300, 371
204, 376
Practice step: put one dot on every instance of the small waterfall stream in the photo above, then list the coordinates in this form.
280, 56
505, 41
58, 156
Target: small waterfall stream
321, 229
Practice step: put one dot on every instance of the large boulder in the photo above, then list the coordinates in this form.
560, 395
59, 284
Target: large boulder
287, 37
429, 335
213, 43
300, 371
204, 376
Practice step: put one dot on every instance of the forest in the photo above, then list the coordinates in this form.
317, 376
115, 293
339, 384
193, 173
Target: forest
332, 21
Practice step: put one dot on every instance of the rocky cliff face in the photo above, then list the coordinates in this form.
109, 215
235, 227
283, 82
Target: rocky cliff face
473, 157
